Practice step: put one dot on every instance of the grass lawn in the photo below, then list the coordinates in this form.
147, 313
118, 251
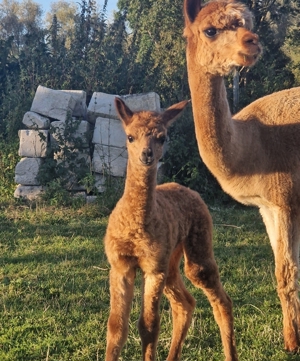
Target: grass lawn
54, 299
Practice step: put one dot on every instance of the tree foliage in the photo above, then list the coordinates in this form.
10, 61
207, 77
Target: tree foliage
140, 49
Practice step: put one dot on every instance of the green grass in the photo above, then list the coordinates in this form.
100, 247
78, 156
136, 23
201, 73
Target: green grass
54, 298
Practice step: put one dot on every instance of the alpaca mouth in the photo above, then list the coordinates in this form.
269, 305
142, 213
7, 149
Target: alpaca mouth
249, 59
147, 161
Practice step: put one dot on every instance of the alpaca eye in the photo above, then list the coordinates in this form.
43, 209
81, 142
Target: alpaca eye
211, 32
162, 139
130, 139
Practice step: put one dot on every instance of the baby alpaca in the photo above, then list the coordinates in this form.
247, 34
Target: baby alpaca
151, 228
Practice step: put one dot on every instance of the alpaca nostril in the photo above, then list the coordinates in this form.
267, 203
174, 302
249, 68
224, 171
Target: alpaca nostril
147, 156
250, 39
147, 152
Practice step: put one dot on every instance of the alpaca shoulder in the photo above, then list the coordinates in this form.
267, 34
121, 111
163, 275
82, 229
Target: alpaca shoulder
280, 108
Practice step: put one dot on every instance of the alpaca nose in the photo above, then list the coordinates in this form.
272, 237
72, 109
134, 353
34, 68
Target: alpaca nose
250, 38
147, 156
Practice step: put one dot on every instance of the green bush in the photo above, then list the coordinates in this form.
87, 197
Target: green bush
183, 164
8, 160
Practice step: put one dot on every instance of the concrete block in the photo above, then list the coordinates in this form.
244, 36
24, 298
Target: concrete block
91, 199
100, 181
110, 160
59, 128
80, 109
33, 143
53, 103
35, 121
102, 104
28, 192
109, 132
81, 195
27, 170
146, 101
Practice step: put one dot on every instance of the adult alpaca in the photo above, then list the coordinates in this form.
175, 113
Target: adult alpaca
151, 228
255, 155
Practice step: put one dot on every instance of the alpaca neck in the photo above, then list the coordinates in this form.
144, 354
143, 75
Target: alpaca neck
212, 116
139, 193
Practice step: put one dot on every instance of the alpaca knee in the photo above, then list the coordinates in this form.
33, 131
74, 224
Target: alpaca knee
204, 275
287, 279
148, 327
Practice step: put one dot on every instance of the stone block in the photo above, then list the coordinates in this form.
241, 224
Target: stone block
109, 132
81, 195
100, 181
91, 199
33, 143
146, 101
27, 170
102, 104
28, 192
81, 130
53, 103
80, 109
35, 121
109, 160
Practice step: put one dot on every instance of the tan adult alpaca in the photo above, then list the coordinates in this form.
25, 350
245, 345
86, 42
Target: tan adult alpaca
255, 155
151, 228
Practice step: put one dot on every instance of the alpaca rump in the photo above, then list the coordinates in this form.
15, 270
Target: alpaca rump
151, 228
255, 154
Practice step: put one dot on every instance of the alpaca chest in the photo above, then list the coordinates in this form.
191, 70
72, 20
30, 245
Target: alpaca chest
138, 248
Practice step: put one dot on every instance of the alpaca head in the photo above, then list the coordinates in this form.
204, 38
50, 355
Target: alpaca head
146, 131
219, 35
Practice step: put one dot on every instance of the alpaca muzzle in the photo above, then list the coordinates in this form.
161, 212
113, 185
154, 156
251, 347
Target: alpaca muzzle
147, 157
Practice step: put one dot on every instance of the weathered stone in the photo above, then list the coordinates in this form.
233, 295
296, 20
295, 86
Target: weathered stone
79, 195
146, 101
27, 170
80, 109
102, 104
54, 104
35, 121
100, 181
76, 129
109, 132
33, 143
91, 199
109, 160
28, 192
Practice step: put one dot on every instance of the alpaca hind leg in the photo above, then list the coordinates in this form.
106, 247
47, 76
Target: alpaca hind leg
149, 321
121, 294
283, 230
182, 305
202, 270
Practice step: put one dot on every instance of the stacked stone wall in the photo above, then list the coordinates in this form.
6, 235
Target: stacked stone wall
103, 141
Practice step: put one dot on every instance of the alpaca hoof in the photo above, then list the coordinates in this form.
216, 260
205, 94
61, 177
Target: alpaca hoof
291, 347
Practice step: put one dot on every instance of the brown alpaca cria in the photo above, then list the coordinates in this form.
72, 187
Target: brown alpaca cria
151, 228
255, 155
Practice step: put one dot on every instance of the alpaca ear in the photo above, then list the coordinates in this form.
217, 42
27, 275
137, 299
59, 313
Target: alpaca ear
171, 114
191, 9
123, 111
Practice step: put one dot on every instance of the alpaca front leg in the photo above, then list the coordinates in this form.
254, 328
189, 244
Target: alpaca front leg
284, 233
149, 322
121, 294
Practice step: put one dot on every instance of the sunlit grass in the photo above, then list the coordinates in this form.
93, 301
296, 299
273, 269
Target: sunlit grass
54, 290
